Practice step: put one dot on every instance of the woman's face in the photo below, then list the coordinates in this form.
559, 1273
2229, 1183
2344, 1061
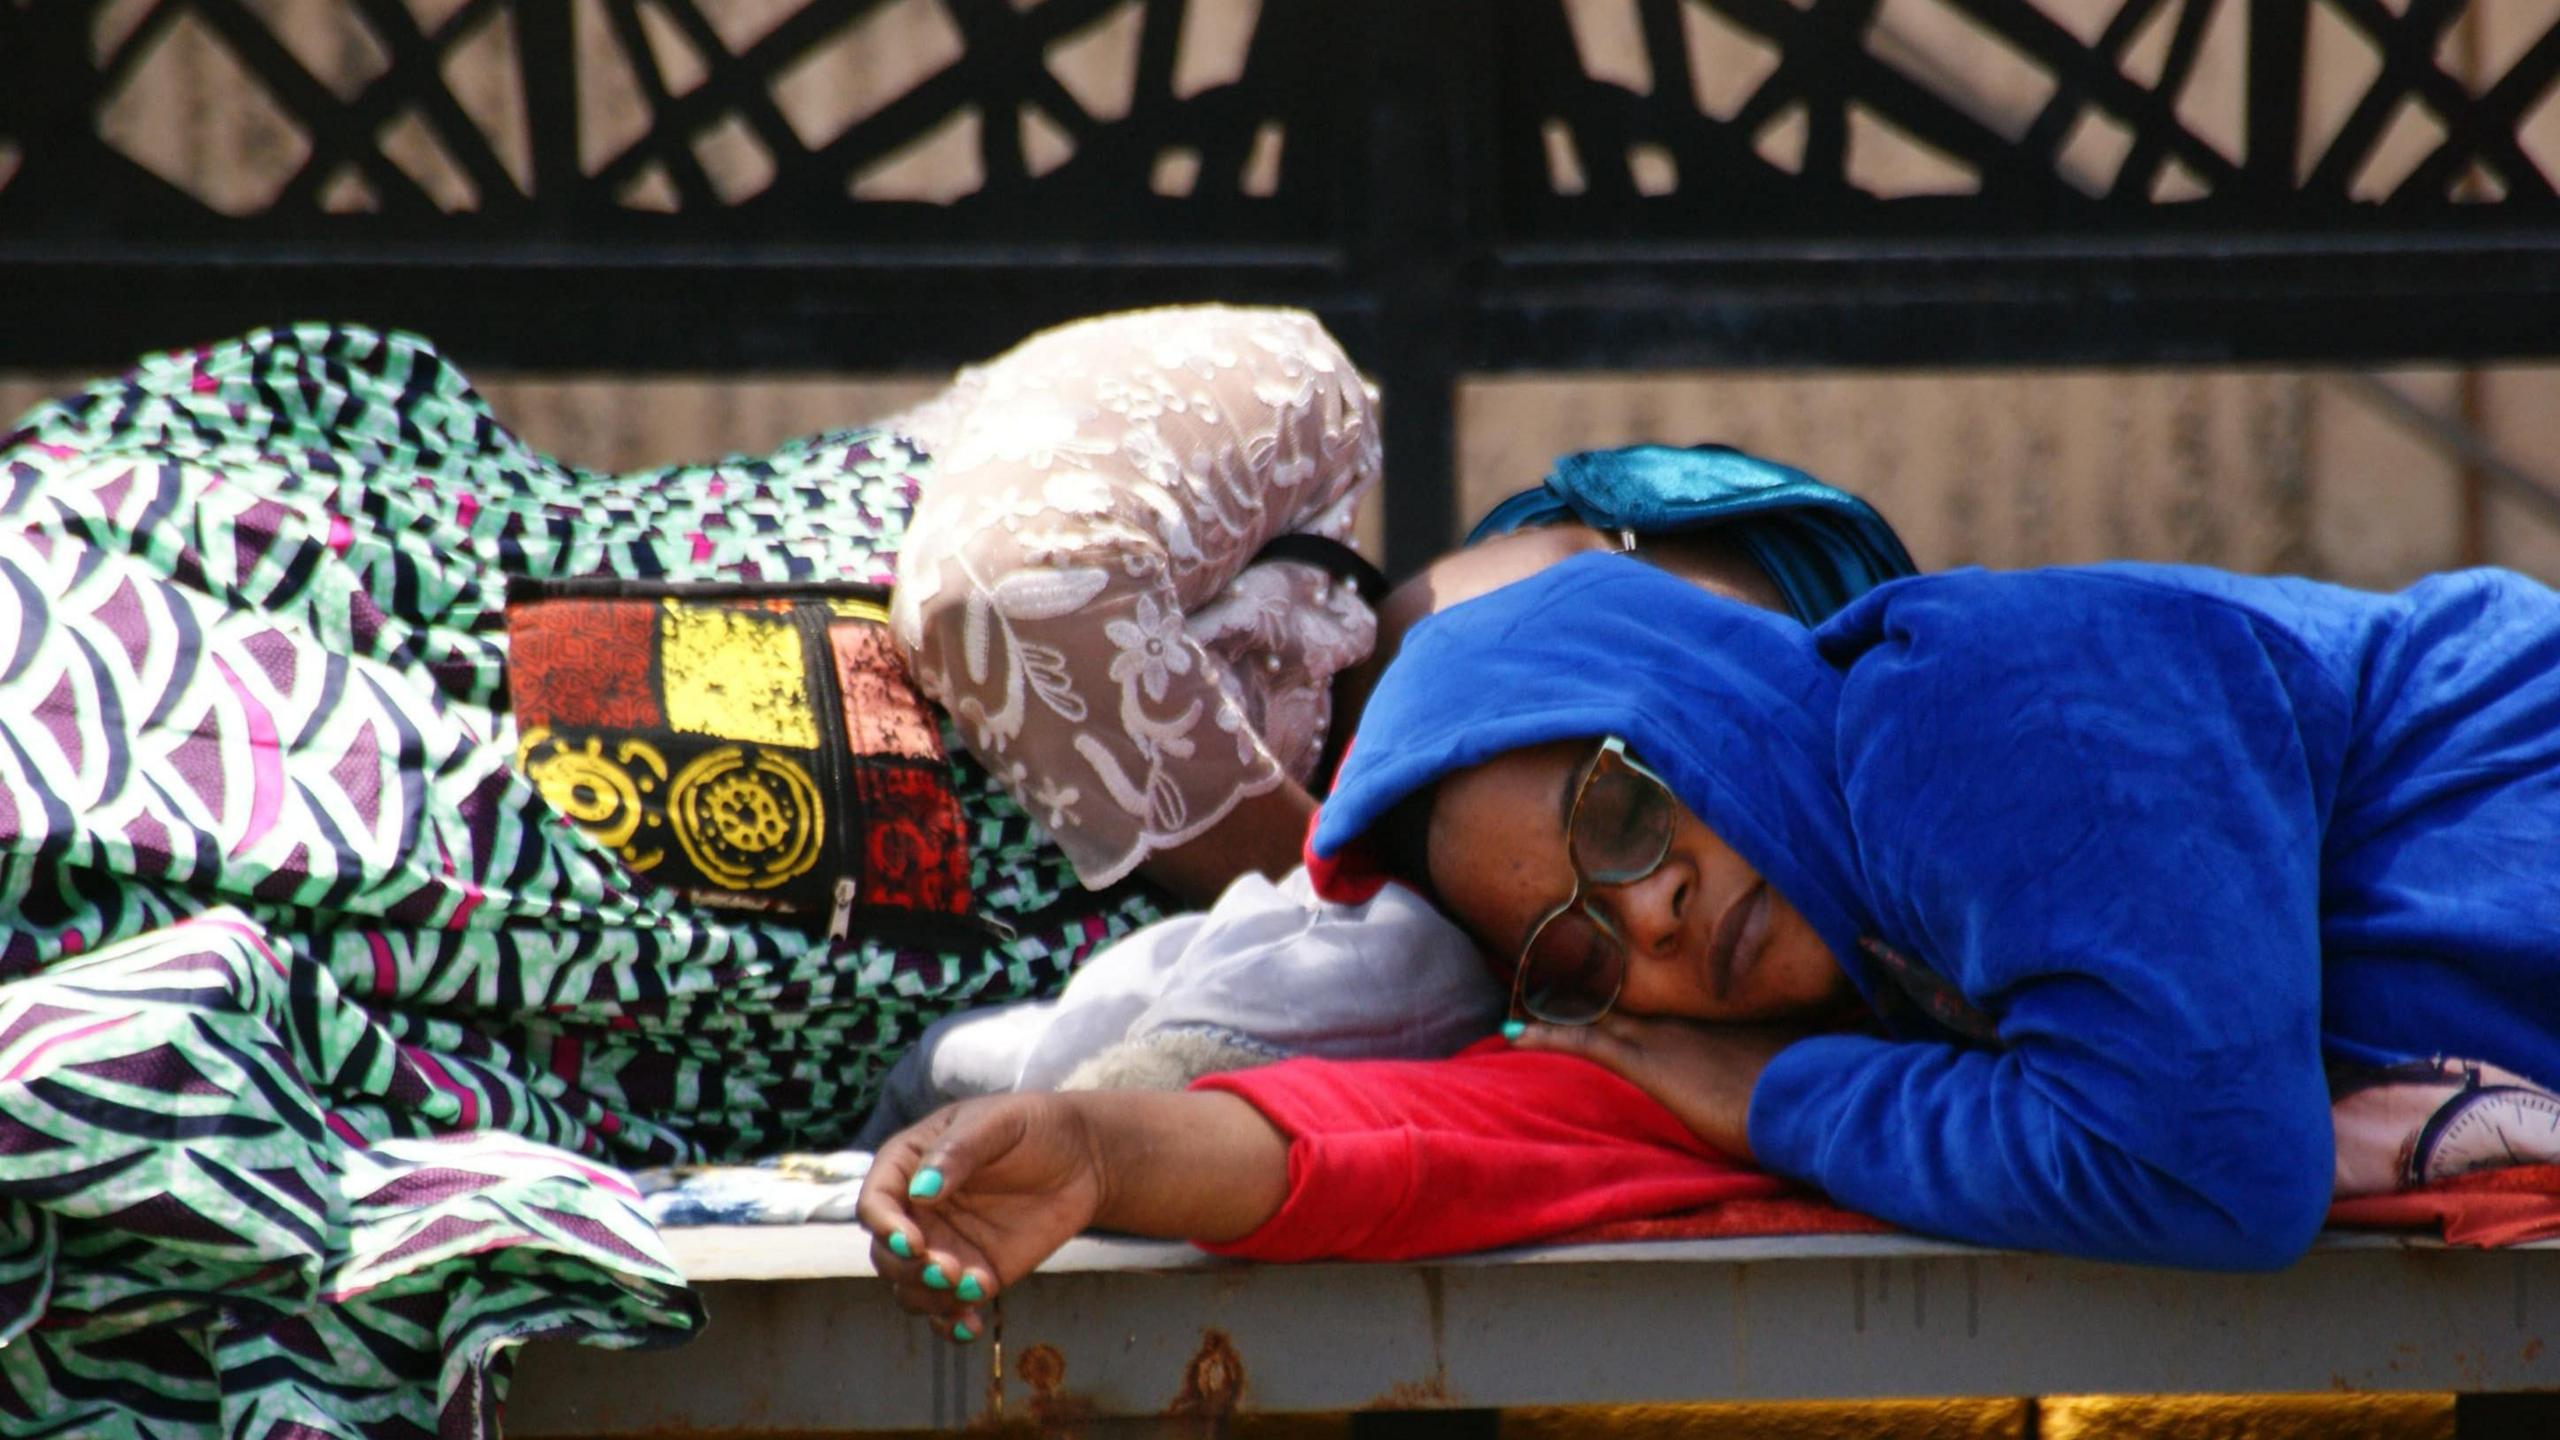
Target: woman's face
1706, 937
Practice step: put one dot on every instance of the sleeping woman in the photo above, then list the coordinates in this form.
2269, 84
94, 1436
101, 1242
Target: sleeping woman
2051, 909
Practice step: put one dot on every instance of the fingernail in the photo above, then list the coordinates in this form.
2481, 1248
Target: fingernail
970, 1289
899, 1247
933, 1278
1513, 1029
926, 1185
963, 1333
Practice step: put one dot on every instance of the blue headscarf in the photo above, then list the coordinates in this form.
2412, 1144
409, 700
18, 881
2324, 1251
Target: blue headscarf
1822, 547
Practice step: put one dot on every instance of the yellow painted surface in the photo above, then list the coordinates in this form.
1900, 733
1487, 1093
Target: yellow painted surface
736, 675
2103, 1417
1806, 1420
2239, 1417
1241, 1427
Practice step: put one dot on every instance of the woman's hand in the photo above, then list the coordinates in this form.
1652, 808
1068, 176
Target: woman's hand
1701, 1073
974, 1196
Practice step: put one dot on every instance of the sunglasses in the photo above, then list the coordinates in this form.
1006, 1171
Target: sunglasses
1617, 831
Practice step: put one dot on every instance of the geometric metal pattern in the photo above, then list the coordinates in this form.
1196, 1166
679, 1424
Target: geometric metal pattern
1766, 116
829, 120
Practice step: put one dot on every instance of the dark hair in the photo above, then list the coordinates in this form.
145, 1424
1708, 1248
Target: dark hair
1402, 837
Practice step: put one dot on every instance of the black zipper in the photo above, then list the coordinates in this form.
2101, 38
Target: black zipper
614, 587
844, 842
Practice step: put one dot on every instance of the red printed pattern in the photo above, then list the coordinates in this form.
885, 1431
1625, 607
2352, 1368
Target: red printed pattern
584, 663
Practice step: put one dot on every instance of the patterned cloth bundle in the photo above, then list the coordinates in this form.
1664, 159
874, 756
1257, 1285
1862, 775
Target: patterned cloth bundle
324, 1038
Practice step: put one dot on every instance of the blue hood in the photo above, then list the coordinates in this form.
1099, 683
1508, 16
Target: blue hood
1731, 705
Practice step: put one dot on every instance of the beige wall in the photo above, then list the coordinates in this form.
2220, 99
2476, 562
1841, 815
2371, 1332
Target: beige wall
2267, 470
2281, 471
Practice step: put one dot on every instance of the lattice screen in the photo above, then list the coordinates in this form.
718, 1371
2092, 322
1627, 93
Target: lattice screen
423, 108
1766, 110
2056, 108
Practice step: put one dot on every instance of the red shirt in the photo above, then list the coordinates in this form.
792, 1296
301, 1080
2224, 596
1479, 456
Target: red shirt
1396, 1159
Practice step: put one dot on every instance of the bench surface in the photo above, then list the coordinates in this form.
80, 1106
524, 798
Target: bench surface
804, 1338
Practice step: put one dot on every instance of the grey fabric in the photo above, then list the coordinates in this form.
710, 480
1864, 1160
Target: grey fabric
1268, 972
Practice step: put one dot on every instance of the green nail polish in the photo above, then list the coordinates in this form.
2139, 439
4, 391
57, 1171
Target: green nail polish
1513, 1029
963, 1334
933, 1278
970, 1289
926, 1185
899, 1247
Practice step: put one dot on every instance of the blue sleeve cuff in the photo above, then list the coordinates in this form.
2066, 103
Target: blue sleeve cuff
1796, 1106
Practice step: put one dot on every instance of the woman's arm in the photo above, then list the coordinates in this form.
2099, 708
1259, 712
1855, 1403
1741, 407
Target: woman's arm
1097, 496
979, 1193
1308, 1159
2095, 805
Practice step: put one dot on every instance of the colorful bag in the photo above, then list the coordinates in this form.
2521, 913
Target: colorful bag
756, 750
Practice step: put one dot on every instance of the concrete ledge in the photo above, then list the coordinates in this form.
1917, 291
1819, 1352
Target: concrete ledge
803, 1338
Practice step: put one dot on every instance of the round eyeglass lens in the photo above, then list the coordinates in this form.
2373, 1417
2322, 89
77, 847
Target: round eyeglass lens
1623, 827
1573, 969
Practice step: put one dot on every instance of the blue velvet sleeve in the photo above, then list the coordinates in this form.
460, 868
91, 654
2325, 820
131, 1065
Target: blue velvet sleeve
2091, 803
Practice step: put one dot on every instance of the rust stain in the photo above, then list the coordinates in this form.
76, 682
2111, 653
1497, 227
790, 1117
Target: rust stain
1211, 1383
1054, 1411
1431, 1394
1042, 1368
2533, 1348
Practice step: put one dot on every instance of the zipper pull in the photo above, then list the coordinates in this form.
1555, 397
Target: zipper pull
840, 924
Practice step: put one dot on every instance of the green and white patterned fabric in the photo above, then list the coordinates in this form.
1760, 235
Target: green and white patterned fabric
316, 1021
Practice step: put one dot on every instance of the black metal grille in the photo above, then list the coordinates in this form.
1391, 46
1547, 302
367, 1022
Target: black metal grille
1447, 181
1819, 71
536, 164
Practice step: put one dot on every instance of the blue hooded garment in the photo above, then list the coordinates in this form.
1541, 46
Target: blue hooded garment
2182, 837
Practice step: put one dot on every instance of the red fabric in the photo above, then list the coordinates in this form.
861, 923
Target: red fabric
1795, 1212
1353, 877
2487, 1207
1397, 1159
1400, 1159
915, 838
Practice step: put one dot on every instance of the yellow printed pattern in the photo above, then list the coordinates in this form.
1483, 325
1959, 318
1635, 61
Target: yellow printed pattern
612, 797
845, 607
737, 674
747, 821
